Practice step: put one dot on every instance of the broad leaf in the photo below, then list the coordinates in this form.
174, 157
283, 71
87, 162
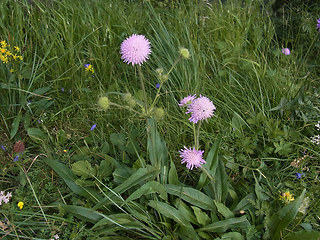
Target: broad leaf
83, 169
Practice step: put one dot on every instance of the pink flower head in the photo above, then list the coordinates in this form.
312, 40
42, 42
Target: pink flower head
187, 100
192, 157
200, 109
318, 24
135, 49
285, 51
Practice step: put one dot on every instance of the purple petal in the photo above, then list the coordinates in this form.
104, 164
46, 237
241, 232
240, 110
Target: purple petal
93, 127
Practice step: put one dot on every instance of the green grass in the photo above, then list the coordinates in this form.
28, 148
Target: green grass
267, 106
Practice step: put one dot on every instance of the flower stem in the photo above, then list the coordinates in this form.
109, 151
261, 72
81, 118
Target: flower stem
143, 89
207, 173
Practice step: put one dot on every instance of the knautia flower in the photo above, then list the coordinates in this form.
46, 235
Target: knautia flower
285, 51
318, 24
192, 157
187, 100
135, 49
200, 109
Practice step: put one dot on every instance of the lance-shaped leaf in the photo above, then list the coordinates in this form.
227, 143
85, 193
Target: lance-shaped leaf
281, 219
169, 212
137, 177
148, 188
191, 195
224, 225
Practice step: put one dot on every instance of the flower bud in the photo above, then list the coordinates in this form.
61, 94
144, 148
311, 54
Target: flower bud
127, 97
103, 102
159, 113
159, 71
164, 78
131, 102
185, 53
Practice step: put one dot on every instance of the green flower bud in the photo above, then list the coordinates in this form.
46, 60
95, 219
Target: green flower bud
131, 102
159, 71
127, 97
185, 53
159, 113
103, 102
164, 78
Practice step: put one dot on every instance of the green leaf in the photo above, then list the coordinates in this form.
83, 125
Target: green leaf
105, 169
169, 212
173, 175
148, 188
83, 169
303, 235
41, 91
211, 163
280, 220
223, 210
157, 150
36, 134
224, 225
191, 195
221, 183
137, 177
202, 218
86, 214
185, 210
15, 126
232, 236
69, 178
118, 139
245, 202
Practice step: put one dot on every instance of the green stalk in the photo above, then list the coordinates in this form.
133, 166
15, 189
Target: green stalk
143, 89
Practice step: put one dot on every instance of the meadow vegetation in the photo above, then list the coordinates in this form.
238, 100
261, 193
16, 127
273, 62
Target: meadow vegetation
91, 146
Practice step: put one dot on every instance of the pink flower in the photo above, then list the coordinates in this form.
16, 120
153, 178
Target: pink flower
285, 51
200, 109
187, 100
192, 157
135, 49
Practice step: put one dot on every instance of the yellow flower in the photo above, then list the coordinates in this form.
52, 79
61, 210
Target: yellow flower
89, 68
11, 70
3, 59
9, 53
3, 44
20, 57
286, 197
20, 205
3, 50
17, 48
